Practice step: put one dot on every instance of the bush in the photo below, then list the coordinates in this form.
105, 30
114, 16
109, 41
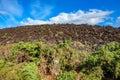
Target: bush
2, 63
11, 71
107, 58
29, 72
71, 75
117, 71
65, 43
63, 61
33, 49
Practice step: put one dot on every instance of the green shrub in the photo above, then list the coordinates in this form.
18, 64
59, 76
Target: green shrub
93, 60
11, 71
73, 64
94, 74
71, 75
110, 58
2, 63
29, 72
14, 50
107, 58
65, 43
34, 59
12, 75
24, 50
117, 71
33, 49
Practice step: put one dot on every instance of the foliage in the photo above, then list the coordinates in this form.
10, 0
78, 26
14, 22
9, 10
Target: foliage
25, 51
117, 70
71, 75
33, 49
107, 58
2, 63
65, 43
61, 60
29, 72
93, 74
11, 71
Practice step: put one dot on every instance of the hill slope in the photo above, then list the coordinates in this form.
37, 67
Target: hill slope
92, 35
60, 52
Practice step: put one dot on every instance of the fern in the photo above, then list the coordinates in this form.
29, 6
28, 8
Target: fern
29, 72
71, 75
33, 49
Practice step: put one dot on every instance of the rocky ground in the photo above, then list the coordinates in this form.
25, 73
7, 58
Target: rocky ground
86, 34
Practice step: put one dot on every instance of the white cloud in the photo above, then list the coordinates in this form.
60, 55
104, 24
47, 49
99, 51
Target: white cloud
11, 6
30, 21
118, 22
3, 12
93, 16
40, 11
109, 23
10, 10
8, 20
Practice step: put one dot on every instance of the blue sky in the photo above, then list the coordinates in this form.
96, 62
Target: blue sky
34, 12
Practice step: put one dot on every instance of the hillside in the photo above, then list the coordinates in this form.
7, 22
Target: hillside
86, 34
60, 52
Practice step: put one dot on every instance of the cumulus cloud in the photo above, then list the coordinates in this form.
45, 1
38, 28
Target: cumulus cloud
93, 16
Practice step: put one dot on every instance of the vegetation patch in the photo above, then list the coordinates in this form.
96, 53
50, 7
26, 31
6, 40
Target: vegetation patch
60, 61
